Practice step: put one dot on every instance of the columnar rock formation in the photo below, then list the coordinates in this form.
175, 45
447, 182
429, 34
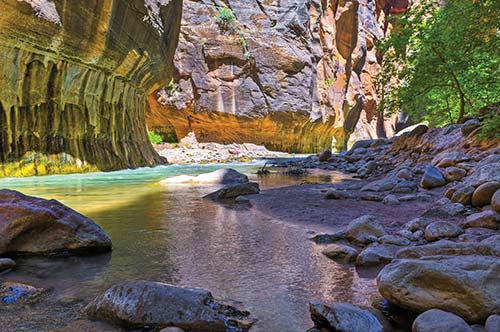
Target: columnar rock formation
293, 75
74, 77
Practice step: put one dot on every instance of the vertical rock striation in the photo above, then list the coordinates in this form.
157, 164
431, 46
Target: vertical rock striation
74, 77
296, 75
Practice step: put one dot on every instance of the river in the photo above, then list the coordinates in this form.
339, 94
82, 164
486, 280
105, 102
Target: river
170, 234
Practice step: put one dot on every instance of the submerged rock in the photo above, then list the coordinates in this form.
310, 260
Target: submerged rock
221, 176
13, 292
31, 225
147, 303
436, 320
233, 191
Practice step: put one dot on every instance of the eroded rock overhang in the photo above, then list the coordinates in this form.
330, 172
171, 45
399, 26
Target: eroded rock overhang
74, 78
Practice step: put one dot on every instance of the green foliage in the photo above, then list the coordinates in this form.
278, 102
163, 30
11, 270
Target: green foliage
225, 19
171, 87
154, 138
329, 82
442, 63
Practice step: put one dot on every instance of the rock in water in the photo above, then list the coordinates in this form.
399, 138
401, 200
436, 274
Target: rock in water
436, 320
31, 225
233, 191
12, 292
364, 230
6, 264
467, 286
432, 178
344, 317
221, 176
341, 252
146, 303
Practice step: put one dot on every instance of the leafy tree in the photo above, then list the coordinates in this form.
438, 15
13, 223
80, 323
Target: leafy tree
442, 61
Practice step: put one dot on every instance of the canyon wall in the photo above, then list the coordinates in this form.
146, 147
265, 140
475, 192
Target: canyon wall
294, 75
74, 78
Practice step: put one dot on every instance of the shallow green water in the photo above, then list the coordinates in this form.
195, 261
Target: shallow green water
170, 234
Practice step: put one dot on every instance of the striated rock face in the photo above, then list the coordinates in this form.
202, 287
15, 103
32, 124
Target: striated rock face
293, 75
74, 76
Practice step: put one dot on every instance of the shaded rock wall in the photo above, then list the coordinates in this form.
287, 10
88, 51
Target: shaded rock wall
295, 75
74, 77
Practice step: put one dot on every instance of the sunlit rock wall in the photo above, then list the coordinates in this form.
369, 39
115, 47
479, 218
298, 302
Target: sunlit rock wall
74, 78
296, 75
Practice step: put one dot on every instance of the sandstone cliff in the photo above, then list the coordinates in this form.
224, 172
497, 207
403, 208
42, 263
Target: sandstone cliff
74, 76
295, 75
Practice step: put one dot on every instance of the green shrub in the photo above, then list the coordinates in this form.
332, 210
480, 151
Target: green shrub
225, 19
154, 138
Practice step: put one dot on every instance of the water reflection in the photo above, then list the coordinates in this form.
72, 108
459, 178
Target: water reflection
170, 234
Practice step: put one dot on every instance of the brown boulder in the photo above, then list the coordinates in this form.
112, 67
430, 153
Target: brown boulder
483, 194
486, 219
495, 202
147, 303
325, 155
31, 225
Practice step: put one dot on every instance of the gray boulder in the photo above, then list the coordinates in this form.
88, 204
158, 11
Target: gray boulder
233, 191
377, 255
492, 323
365, 229
432, 178
341, 252
483, 174
344, 317
386, 184
467, 286
146, 303
436, 320
441, 230
486, 219
452, 174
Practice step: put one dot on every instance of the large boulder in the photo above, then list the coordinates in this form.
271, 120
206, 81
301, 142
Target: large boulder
442, 229
452, 174
146, 303
487, 247
365, 229
467, 286
386, 184
486, 219
234, 190
344, 317
377, 255
484, 174
31, 225
432, 178
436, 320
221, 176
483, 194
